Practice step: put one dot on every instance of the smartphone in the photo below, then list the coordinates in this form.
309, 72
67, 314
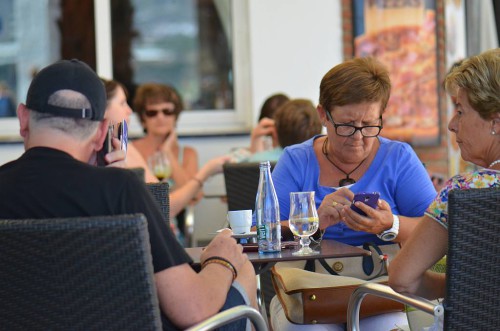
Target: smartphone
369, 198
107, 147
121, 133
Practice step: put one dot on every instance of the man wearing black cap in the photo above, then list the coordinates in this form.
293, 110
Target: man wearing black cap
63, 128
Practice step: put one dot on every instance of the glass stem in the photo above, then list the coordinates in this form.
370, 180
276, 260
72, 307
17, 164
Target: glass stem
305, 241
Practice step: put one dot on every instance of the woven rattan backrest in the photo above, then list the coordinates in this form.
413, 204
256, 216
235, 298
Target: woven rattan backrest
242, 181
473, 263
160, 193
92, 273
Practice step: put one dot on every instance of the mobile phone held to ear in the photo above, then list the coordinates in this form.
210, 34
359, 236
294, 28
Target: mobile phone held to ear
369, 198
107, 147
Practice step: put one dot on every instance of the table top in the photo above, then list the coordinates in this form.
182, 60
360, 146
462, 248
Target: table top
327, 249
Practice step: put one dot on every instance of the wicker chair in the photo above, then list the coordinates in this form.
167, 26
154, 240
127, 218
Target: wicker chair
242, 181
472, 288
88, 273
92, 273
160, 193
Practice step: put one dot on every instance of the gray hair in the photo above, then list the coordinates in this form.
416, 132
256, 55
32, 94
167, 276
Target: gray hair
77, 127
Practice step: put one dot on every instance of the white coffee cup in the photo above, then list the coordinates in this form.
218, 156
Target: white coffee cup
240, 220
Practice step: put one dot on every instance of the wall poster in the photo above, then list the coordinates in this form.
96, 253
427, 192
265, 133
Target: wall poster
402, 35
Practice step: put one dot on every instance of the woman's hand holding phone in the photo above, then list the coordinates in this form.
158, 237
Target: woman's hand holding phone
379, 216
368, 198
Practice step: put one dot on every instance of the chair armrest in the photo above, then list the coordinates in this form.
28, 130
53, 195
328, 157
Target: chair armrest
231, 315
385, 291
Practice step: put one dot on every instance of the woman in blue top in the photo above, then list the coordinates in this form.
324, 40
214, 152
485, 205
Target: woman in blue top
352, 158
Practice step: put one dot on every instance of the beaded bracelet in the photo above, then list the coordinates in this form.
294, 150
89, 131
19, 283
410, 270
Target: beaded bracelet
222, 261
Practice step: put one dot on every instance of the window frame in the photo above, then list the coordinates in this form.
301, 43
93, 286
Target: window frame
208, 122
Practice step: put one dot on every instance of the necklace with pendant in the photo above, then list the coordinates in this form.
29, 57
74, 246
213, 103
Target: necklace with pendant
345, 181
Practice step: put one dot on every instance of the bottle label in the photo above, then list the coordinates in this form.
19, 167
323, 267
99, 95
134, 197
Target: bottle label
269, 236
261, 232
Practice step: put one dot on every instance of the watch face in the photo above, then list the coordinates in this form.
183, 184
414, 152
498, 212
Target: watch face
389, 236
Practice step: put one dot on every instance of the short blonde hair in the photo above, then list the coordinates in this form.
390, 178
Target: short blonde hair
479, 77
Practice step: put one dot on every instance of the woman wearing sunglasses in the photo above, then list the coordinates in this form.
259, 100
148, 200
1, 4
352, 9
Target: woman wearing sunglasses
159, 107
117, 110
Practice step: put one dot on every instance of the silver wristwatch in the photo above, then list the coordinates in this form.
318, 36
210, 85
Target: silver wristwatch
392, 233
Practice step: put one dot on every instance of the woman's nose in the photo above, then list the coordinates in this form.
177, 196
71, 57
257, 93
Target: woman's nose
357, 134
452, 125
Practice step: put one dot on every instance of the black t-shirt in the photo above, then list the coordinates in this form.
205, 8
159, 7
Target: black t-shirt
45, 183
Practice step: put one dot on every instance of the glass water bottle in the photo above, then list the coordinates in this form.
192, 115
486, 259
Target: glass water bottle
267, 212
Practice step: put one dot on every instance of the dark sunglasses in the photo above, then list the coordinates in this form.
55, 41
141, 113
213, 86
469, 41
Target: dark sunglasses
154, 112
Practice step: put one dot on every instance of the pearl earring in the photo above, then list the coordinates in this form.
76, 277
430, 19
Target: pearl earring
493, 133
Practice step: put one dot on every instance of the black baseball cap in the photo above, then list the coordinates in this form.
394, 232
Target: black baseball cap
72, 75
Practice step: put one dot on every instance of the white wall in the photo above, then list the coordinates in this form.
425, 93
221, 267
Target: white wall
293, 43
10, 151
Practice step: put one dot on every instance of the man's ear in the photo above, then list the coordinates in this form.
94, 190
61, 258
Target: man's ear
23, 114
100, 135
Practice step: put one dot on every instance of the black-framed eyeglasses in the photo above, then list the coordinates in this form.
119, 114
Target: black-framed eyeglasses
347, 130
154, 112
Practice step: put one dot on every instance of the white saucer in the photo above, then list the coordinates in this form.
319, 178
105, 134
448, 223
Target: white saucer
245, 235
242, 235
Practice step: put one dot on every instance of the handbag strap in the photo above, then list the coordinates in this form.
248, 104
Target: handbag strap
368, 264
310, 266
327, 267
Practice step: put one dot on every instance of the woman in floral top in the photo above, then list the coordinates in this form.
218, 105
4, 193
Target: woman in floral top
474, 87
438, 210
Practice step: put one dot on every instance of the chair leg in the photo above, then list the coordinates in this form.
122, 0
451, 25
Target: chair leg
261, 302
189, 227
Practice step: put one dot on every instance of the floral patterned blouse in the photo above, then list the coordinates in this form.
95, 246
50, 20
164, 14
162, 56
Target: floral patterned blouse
484, 178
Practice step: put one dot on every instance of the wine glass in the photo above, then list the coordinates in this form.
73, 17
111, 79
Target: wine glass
159, 164
303, 220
